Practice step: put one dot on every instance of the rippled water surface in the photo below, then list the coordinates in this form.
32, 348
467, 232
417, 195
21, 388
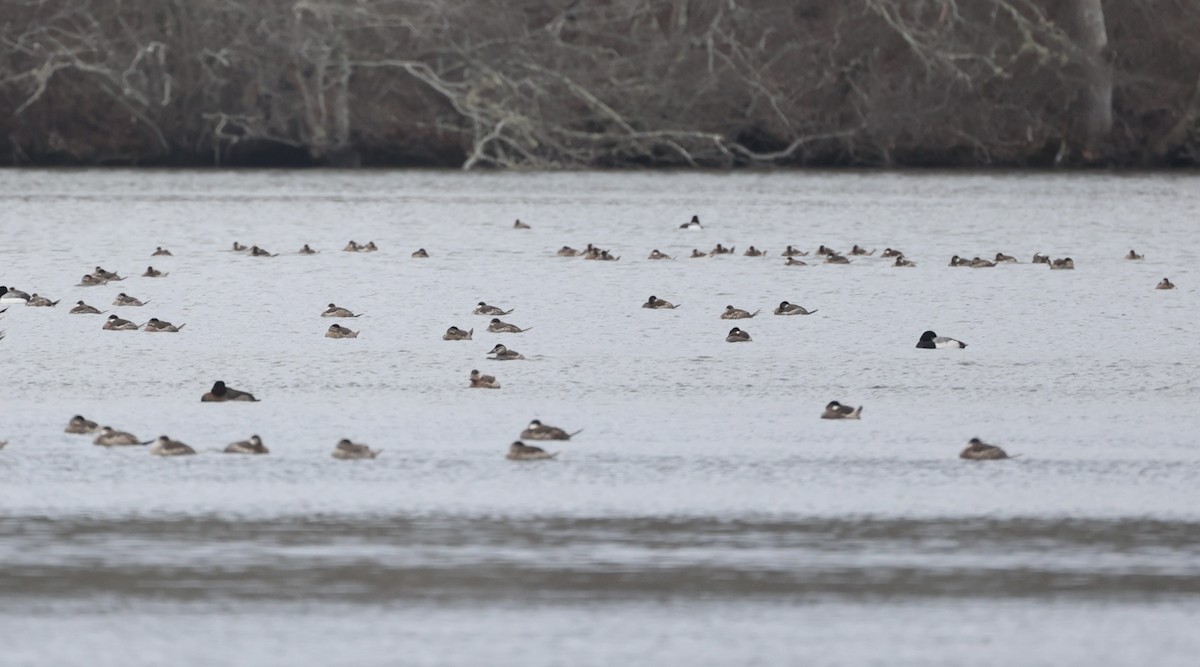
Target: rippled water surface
705, 516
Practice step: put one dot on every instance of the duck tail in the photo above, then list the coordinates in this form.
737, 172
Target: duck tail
54, 303
857, 413
572, 435
872, 251
811, 312
526, 329
507, 311
148, 442
552, 455
470, 334
756, 312
181, 326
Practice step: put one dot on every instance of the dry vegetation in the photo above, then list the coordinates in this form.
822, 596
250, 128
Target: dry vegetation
600, 83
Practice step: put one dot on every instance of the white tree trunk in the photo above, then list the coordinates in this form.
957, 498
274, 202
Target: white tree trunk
1097, 96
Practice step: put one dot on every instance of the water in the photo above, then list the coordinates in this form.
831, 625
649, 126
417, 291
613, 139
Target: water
704, 516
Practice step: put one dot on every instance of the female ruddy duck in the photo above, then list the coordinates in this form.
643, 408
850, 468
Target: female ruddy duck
567, 251
40, 301
959, 261
694, 223
793, 252
696, 253
114, 323
163, 326
106, 275
736, 335
91, 281
482, 308
1134, 255
1001, 258
220, 393
1060, 264
112, 438
658, 304
152, 272
165, 446
82, 308
977, 450
161, 252
237, 247
337, 311
732, 313
479, 381
980, 263
890, 252
1165, 284
1039, 258
504, 354
720, 250
605, 256
753, 252
497, 326
519, 451
825, 250
348, 450
836, 259
859, 250
13, 295
256, 251
902, 262
370, 247
786, 308
655, 254
124, 299
252, 446
539, 431
420, 254
520, 225
932, 341
306, 251
352, 246
792, 261
80, 426
836, 410
454, 333
339, 331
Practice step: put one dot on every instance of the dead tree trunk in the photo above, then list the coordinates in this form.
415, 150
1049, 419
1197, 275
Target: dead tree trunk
1097, 93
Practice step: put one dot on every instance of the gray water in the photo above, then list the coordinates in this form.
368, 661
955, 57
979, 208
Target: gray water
705, 516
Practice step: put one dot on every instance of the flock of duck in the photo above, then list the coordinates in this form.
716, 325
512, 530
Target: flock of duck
518, 450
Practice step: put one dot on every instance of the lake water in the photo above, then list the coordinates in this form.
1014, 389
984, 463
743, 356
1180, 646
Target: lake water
705, 516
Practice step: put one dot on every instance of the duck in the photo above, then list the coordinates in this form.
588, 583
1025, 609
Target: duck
836, 259
958, 261
792, 261
110, 437
859, 250
370, 247
165, 446
793, 252
124, 299
978, 450
658, 304
479, 381
720, 250
237, 247
12, 295
352, 247
753, 252
931, 341
786, 308
91, 281
567, 251
655, 254
256, 251
1039, 258
606, 256
339, 331
82, 308
81, 426
980, 263
1063, 264
696, 253
114, 323
732, 313
519, 451
1134, 255
157, 325
454, 333
1001, 258
520, 225
1165, 284
482, 308
349, 450
736, 335
106, 275
497, 326
902, 262
252, 446
836, 410
420, 254
539, 431
40, 301
161, 252
304, 251
152, 272
504, 354
891, 252
220, 393
694, 223
337, 311
825, 250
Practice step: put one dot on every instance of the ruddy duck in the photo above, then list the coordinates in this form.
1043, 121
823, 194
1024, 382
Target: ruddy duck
786, 308
1001, 258
483, 309
124, 299
114, 323
106, 275
1039, 258
519, 451
91, 281
605, 256
256, 251
479, 381
112, 438
370, 247
520, 225
836, 410
736, 335
753, 252
836, 259
504, 354
352, 247
658, 304
82, 308
932, 341
80, 426
890, 252
163, 326
792, 261
419, 254
980, 263
252, 446
161, 252
152, 272
220, 393
977, 450
858, 250
237, 247
496, 326
348, 450
539, 431
337, 311
793, 252
696, 253
824, 250
694, 223
655, 254
567, 251
732, 313
165, 446
305, 251
901, 261
958, 261
1134, 255
720, 250
12, 295
339, 331
40, 301
1165, 284
454, 333
1060, 264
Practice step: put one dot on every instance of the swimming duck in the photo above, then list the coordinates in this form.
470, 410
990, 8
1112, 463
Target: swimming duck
106, 275
479, 381
454, 333
81, 426
1060, 264
980, 263
482, 308
655, 254
696, 253
932, 341
337, 311
152, 272
252, 446
858, 250
161, 252
520, 225
91, 281
825, 250
539, 431
753, 252
237, 247
786, 308
732, 313
504, 354
836, 259
889, 252
12, 295
157, 325
793, 252
1134, 255
1039, 258
112, 438
256, 251
792, 261
114, 323
977, 450
165, 446
40, 301
658, 304
901, 261
1001, 258
1165, 284
370, 247
694, 223
348, 450
836, 410
82, 308
339, 331
352, 247
519, 451
605, 256
124, 299
567, 251
305, 251
420, 254
720, 250
591, 252
496, 326
958, 261
736, 335
220, 393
